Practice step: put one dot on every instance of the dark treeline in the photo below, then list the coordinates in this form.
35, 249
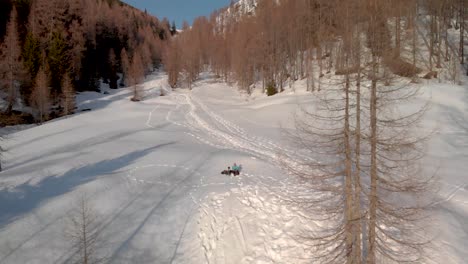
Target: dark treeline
286, 40
74, 44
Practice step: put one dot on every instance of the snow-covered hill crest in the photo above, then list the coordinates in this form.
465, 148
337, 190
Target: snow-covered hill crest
236, 11
243, 7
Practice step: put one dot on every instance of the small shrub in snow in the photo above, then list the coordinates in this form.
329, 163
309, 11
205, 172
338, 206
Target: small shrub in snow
271, 89
430, 75
402, 68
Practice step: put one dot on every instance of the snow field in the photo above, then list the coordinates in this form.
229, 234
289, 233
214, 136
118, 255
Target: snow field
152, 170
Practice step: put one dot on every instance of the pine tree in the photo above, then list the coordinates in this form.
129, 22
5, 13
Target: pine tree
57, 59
32, 54
11, 68
173, 28
32, 61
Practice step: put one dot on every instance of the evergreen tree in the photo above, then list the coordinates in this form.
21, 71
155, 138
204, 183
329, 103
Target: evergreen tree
32, 54
173, 28
57, 59
32, 60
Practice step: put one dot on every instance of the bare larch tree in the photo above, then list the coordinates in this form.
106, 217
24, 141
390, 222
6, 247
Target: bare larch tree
135, 76
68, 96
82, 230
11, 68
40, 96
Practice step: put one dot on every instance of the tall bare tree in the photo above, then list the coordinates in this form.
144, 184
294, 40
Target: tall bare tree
11, 68
125, 65
83, 233
364, 159
172, 62
68, 96
40, 96
77, 43
326, 131
462, 15
136, 74
395, 149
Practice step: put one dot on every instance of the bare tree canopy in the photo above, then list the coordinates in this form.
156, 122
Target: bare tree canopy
40, 96
136, 74
82, 230
68, 94
11, 65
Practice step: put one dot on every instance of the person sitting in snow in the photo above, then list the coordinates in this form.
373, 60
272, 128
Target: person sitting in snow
235, 169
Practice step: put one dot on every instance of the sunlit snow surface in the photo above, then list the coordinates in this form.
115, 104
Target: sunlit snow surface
152, 171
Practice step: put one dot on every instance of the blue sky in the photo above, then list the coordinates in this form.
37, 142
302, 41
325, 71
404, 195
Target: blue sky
179, 10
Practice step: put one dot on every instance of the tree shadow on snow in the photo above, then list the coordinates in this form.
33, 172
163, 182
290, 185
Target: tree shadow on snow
100, 101
71, 148
26, 197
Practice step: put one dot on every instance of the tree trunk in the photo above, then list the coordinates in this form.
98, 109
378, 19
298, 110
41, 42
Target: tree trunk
462, 31
414, 36
371, 258
348, 181
439, 43
431, 43
398, 34
357, 174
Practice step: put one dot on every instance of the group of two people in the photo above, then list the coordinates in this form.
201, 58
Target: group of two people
234, 170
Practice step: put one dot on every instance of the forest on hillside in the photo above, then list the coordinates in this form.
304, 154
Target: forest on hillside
73, 45
284, 40
52, 48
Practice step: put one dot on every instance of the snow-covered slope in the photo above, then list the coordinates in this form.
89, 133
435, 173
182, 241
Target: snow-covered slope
243, 7
152, 171
236, 11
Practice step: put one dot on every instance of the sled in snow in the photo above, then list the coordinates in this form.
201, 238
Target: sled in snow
234, 171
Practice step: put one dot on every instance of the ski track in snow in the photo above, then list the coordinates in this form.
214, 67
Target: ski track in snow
148, 122
454, 192
234, 135
211, 129
220, 134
